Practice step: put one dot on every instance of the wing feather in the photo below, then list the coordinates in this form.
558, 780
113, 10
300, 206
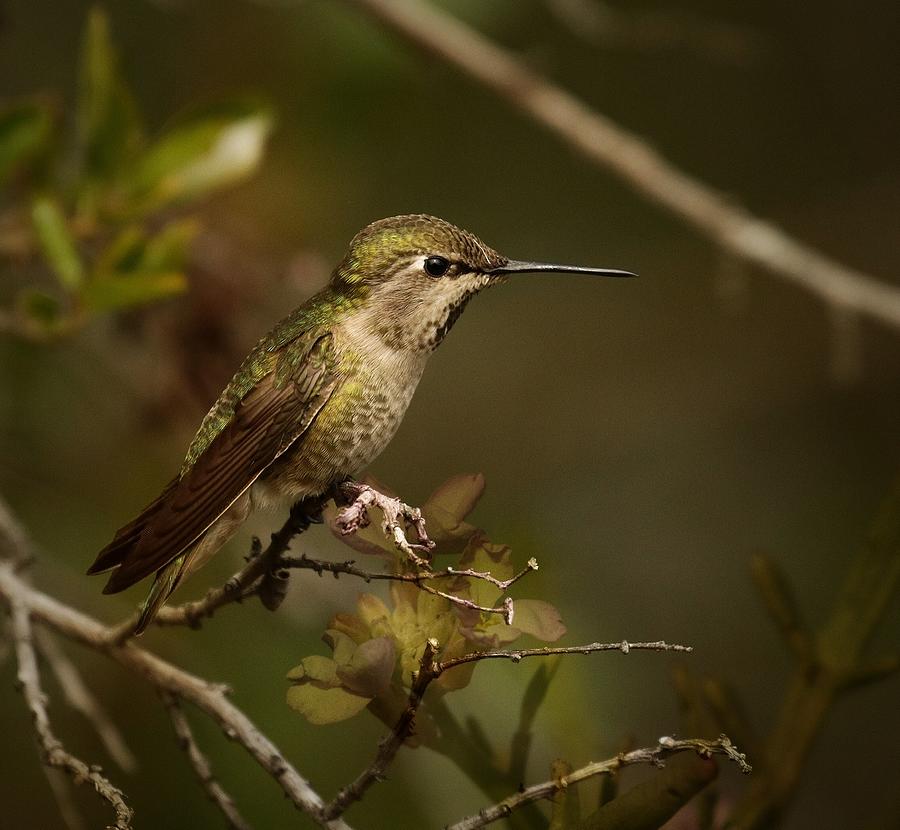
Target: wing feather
274, 414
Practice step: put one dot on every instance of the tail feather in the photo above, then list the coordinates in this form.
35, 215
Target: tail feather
166, 582
128, 536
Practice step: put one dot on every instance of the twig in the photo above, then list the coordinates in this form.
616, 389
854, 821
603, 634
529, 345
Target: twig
601, 23
516, 656
836, 664
655, 756
429, 670
61, 787
82, 700
201, 764
241, 584
606, 144
209, 697
388, 747
14, 542
53, 753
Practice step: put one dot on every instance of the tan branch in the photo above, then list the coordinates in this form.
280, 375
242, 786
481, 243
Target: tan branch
389, 746
82, 700
655, 756
210, 698
53, 753
631, 158
429, 670
516, 656
201, 764
242, 584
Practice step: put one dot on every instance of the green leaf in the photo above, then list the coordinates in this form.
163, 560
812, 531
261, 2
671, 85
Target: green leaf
315, 668
215, 148
24, 131
57, 243
39, 308
108, 121
129, 290
539, 619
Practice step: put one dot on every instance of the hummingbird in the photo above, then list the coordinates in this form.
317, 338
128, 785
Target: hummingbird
317, 399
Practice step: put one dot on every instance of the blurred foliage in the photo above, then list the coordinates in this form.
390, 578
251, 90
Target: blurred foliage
104, 213
377, 650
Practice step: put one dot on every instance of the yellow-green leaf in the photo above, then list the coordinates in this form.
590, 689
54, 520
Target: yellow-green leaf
57, 243
216, 148
24, 132
325, 705
127, 290
108, 122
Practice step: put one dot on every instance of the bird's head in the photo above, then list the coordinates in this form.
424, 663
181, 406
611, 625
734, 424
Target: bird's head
417, 272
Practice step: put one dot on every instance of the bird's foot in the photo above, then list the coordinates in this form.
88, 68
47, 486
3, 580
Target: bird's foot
398, 517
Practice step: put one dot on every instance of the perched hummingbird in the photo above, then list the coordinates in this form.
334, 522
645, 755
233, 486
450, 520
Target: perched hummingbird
317, 399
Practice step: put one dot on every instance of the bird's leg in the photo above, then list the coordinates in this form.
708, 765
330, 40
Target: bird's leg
357, 498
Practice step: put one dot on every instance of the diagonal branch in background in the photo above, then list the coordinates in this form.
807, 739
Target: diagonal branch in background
210, 698
201, 764
82, 700
52, 751
655, 756
827, 664
606, 144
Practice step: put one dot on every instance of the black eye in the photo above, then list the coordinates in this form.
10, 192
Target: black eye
436, 266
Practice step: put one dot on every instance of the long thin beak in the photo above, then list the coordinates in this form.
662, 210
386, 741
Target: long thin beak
515, 266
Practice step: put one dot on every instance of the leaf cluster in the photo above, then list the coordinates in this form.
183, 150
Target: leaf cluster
376, 650
103, 212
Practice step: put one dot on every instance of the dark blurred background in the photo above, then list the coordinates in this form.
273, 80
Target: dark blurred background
640, 439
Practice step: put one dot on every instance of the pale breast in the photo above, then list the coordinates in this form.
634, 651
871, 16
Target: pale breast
355, 425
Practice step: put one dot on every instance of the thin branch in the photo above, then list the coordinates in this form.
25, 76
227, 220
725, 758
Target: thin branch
655, 756
210, 698
516, 656
53, 753
600, 23
837, 664
61, 787
241, 584
82, 700
14, 542
201, 764
388, 747
627, 155
429, 670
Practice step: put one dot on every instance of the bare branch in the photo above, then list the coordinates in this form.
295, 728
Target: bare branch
607, 145
388, 747
82, 700
14, 542
210, 698
201, 764
655, 756
429, 670
241, 584
516, 656
53, 753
